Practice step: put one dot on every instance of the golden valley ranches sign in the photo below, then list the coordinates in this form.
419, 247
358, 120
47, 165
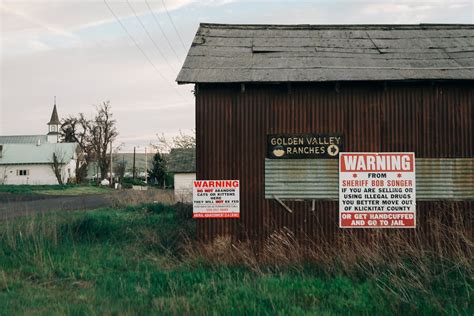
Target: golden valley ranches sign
303, 146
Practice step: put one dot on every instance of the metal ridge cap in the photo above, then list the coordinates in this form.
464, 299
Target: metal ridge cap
338, 26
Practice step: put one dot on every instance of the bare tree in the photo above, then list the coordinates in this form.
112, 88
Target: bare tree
3, 174
77, 130
120, 167
94, 138
4, 168
183, 140
103, 132
57, 165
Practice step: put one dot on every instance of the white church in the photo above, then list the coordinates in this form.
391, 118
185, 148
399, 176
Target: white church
28, 159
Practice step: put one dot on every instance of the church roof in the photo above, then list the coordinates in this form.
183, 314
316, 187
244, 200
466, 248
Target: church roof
54, 117
23, 139
16, 154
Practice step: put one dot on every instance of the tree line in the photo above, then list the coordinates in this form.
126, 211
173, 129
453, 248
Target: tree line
95, 135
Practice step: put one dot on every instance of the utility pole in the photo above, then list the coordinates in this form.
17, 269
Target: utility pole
124, 169
134, 170
97, 170
111, 177
146, 167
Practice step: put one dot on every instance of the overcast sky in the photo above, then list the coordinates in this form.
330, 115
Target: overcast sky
78, 51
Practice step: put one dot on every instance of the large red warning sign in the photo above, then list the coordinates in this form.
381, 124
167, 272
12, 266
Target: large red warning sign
377, 190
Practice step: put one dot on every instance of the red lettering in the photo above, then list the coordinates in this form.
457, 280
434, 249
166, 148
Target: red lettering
377, 162
216, 183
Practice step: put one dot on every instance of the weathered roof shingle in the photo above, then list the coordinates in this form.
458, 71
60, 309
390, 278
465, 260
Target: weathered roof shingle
223, 53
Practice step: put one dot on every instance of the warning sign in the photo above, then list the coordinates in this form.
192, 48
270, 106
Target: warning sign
377, 190
216, 199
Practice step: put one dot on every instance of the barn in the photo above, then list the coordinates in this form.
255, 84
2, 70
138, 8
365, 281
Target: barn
371, 88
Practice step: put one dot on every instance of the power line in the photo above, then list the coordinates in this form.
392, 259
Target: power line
162, 31
134, 41
142, 51
150, 37
174, 26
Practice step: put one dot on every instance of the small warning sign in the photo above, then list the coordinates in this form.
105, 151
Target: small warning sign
377, 190
216, 199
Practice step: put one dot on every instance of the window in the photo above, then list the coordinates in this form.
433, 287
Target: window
53, 128
23, 172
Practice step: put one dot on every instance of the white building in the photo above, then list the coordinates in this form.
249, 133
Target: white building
29, 159
182, 162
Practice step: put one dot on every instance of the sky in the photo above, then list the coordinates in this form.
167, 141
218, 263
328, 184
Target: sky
86, 52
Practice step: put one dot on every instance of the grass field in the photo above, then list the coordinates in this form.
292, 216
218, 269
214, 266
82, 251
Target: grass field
141, 260
54, 189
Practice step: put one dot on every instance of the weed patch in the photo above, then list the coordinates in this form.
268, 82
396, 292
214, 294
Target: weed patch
66, 189
144, 260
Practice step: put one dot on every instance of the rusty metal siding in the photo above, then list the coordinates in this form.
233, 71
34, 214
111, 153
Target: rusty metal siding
301, 179
450, 179
436, 179
434, 121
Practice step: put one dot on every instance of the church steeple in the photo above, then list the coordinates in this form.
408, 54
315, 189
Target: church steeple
53, 125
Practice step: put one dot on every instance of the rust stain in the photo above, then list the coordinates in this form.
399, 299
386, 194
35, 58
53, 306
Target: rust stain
434, 121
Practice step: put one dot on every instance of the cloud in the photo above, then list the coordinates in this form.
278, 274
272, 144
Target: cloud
427, 11
40, 24
19, 16
76, 50
70, 15
141, 101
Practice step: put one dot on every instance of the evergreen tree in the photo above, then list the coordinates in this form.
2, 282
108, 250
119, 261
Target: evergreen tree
158, 171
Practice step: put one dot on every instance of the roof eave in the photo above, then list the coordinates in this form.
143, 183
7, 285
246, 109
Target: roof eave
327, 81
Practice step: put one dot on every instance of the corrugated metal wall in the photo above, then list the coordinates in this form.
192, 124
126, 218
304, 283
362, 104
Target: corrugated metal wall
434, 121
436, 179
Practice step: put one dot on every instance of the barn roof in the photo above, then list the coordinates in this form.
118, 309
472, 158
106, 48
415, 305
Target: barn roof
224, 53
182, 160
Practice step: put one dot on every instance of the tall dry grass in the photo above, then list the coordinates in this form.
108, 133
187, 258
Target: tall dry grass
432, 267
130, 197
31, 240
437, 264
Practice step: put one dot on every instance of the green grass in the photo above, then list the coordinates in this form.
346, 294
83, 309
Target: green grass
131, 261
67, 189
76, 190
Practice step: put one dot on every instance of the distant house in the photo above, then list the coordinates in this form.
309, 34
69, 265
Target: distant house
28, 159
182, 162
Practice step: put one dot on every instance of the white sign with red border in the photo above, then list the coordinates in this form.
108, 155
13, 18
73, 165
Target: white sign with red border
377, 190
216, 199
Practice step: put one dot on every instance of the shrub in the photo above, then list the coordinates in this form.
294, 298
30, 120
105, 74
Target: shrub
131, 181
183, 211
